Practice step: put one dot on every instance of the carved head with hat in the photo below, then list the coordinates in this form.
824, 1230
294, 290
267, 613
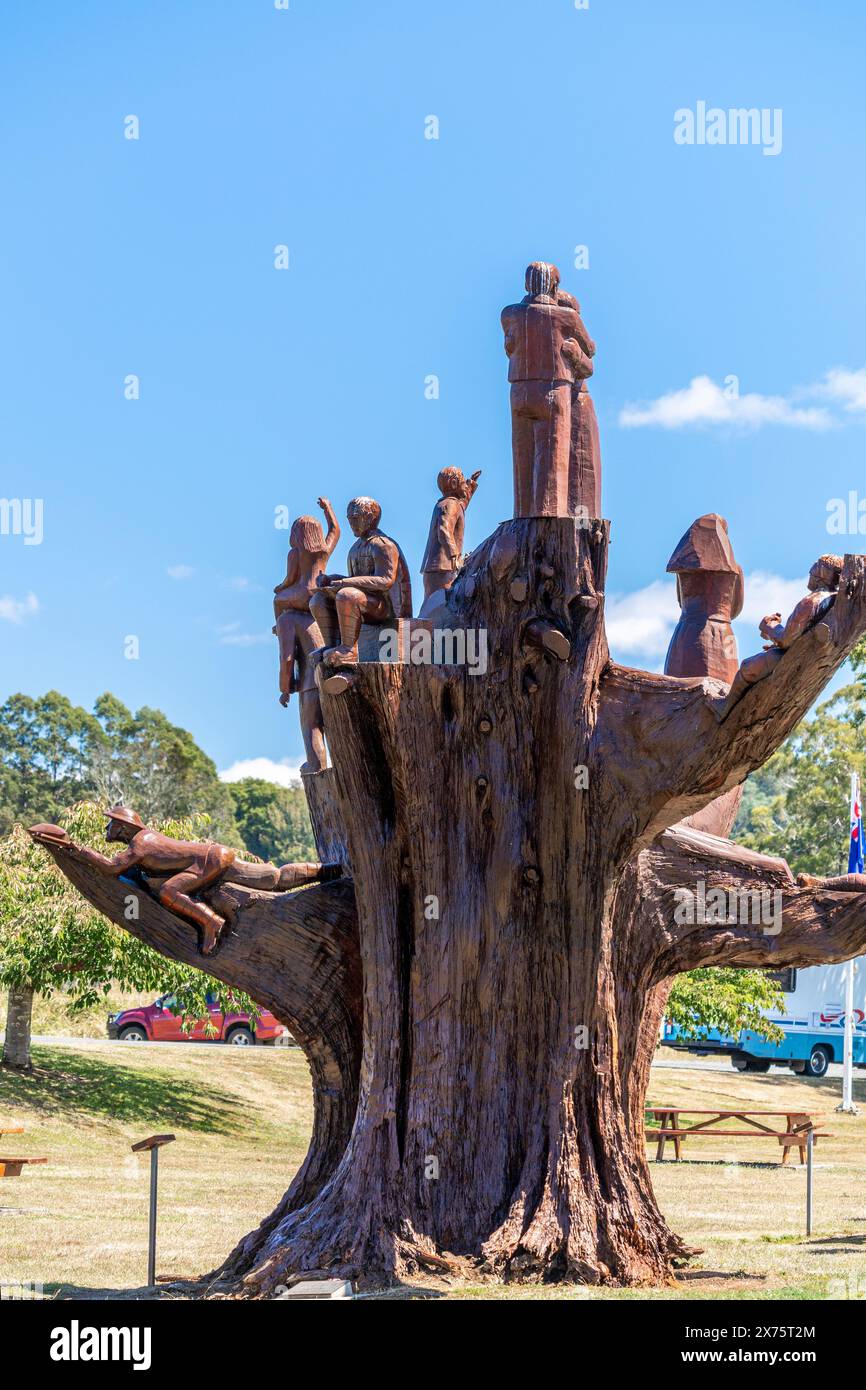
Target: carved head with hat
123, 823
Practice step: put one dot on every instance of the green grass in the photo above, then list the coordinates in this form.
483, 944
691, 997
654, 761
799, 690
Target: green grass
242, 1118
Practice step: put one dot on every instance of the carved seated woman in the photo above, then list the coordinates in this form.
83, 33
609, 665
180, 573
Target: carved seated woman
824, 579
296, 629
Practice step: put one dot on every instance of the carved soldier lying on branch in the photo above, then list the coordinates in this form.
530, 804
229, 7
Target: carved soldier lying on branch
184, 869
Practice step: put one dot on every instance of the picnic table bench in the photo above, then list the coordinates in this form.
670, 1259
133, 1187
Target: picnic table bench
11, 1167
794, 1135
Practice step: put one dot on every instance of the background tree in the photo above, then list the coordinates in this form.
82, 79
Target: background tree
157, 767
797, 805
48, 750
273, 822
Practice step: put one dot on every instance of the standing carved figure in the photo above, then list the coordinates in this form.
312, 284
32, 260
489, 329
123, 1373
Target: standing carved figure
377, 588
584, 460
444, 552
182, 870
548, 350
824, 577
710, 595
296, 629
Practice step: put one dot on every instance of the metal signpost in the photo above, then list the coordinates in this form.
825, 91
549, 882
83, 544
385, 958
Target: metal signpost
154, 1144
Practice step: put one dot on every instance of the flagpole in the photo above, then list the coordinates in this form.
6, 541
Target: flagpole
848, 1107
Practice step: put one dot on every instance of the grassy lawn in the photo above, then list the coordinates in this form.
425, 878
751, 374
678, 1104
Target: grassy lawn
242, 1117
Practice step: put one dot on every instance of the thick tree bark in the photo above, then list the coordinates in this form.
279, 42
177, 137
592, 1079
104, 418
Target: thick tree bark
19, 1016
500, 827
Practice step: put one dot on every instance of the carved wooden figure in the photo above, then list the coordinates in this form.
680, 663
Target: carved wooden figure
376, 589
444, 551
584, 459
296, 629
182, 870
710, 595
824, 577
549, 351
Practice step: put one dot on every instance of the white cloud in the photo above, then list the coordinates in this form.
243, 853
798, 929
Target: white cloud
640, 624
702, 402
15, 610
767, 593
245, 639
285, 773
180, 571
242, 585
845, 387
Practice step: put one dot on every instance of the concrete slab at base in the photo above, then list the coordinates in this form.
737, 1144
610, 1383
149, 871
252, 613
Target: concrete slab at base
317, 1288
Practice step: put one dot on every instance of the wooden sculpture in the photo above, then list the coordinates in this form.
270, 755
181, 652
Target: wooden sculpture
549, 356
376, 589
181, 871
517, 840
710, 595
444, 551
824, 578
296, 629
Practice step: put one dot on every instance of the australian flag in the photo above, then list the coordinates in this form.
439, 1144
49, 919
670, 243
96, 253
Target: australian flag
855, 851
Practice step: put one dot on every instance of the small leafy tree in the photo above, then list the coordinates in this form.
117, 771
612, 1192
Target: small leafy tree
797, 805
728, 999
51, 938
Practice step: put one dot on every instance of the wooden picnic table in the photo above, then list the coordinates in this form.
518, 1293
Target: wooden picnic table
798, 1124
11, 1167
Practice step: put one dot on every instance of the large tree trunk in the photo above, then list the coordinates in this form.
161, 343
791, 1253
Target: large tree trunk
496, 824
19, 1016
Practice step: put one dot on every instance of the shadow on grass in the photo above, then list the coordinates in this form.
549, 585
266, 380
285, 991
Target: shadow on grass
65, 1082
146, 1293
722, 1163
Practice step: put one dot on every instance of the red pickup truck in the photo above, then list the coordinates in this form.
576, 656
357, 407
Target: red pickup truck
156, 1023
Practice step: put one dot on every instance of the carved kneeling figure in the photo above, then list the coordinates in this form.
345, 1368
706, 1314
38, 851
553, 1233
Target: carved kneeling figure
824, 579
183, 868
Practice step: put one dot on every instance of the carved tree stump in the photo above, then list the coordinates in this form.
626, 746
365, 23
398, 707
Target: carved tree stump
501, 828
486, 877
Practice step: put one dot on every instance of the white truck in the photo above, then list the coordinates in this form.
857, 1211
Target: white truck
813, 1024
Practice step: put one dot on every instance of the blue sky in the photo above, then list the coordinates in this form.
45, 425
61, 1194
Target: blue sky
261, 387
